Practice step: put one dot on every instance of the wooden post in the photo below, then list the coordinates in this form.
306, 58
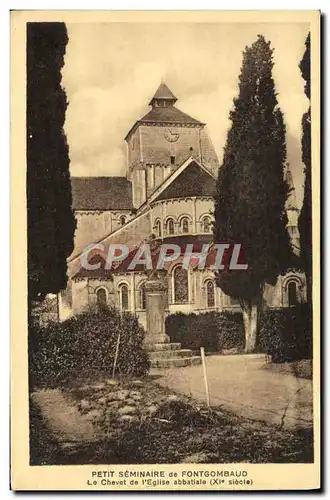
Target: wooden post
117, 346
116, 356
205, 377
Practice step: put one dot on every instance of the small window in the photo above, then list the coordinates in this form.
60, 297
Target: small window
170, 226
292, 293
206, 225
124, 297
101, 297
210, 293
143, 297
158, 228
172, 160
185, 225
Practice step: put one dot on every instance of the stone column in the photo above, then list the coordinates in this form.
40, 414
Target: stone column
155, 297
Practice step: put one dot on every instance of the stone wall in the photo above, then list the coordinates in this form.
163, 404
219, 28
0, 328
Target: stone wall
93, 225
157, 150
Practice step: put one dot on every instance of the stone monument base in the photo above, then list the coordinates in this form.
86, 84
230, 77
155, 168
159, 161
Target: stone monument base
170, 355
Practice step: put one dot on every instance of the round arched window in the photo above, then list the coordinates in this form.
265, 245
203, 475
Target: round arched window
170, 226
206, 224
122, 220
210, 298
292, 293
101, 297
124, 297
185, 225
158, 228
180, 283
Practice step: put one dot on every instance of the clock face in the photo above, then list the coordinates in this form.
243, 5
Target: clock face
171, 135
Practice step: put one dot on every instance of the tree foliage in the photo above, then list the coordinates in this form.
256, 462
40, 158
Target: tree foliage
305, 217
251, 190
51, 222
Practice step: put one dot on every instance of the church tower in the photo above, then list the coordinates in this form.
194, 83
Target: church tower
292, 212
161, 141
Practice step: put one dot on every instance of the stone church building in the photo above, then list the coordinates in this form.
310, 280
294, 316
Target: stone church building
166, 196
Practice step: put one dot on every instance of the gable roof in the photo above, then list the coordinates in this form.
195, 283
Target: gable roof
192, 181
101, 193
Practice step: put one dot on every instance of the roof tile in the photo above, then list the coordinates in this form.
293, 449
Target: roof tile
101, 193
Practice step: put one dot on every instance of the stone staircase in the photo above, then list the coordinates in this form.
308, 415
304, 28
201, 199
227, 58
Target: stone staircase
169, 355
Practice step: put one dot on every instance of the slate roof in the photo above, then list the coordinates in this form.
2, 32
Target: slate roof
193, 181
101, 193
101, 272
169, 114
163, 92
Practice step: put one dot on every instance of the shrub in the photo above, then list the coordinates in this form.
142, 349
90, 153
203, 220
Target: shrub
286, 334
214, 331
84, 346
230, 331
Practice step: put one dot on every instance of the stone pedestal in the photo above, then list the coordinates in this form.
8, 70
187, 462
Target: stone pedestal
163, 353
155, 298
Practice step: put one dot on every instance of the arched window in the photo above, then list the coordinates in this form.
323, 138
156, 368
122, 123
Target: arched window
210, 298
206, 224
185, 225
292, 293
180, 284
122, 220
101, 297
123, 292
170, 226
158, 228
142, 297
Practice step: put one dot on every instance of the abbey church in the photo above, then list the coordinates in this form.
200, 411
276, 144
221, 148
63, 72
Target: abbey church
166, 196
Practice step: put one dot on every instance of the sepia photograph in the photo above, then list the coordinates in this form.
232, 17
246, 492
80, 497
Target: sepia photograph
171, 201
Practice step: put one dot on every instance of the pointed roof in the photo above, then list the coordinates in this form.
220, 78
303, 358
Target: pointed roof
163, 93
165, 114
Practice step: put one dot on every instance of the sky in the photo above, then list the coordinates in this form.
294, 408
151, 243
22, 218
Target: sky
112, 70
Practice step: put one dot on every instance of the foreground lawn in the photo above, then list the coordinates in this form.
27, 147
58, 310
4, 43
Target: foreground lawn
139, 422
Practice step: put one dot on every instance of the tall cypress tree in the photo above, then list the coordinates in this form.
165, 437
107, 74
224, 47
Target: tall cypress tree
305, 217
51, 222
251, 190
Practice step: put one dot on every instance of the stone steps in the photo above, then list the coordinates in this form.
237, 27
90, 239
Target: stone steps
175, 362
171, 354
173, 346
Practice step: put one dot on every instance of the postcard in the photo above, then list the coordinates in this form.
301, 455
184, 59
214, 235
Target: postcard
165, 193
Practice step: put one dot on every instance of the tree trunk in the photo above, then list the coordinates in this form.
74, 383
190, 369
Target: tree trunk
250, 320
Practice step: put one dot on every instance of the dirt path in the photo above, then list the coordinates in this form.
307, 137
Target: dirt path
63, 418
240, 384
